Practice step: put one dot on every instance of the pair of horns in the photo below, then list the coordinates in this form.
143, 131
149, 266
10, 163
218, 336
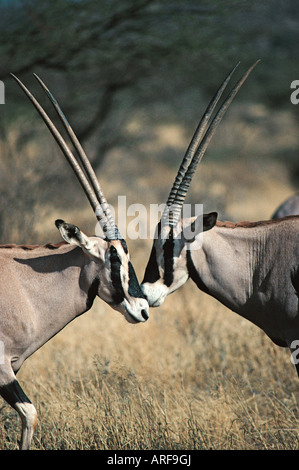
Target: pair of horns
192, 157
84, 170
197, 148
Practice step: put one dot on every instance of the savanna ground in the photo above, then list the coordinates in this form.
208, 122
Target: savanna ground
195, 376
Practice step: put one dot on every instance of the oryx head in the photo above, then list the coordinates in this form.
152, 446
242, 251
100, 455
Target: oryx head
167, 268
115, 280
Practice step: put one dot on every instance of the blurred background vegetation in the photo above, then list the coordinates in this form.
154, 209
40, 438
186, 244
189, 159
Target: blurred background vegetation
106, 61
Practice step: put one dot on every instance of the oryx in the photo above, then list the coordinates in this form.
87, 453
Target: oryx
288, 207
43, 288
252, 268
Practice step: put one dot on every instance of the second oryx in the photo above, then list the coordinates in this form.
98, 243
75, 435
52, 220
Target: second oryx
250, 267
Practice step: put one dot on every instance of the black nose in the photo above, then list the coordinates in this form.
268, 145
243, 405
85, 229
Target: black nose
144, 314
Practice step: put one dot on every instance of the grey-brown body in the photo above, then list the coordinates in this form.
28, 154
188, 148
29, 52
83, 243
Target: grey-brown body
38, 301
253, 269
44, 288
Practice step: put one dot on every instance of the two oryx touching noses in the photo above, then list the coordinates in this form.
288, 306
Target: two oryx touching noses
252, 268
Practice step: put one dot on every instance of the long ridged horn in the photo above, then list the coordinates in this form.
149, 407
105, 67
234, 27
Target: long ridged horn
197, 136
83, 158
87, 179
198, 147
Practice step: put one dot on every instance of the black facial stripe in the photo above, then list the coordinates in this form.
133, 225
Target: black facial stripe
92, 292
134, 287
118, 294
168, 250
151, 272
194, 274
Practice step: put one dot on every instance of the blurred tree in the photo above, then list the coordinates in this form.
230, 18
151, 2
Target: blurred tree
102, 59
90, 52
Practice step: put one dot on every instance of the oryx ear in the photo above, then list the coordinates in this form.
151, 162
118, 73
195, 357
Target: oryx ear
202, 223
95, 246
72, 234
209, 221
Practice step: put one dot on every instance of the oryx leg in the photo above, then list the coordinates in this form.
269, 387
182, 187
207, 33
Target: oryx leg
13, 394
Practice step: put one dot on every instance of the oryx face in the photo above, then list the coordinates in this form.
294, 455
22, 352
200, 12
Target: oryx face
167, 268
165, 271
110, 272
120, 287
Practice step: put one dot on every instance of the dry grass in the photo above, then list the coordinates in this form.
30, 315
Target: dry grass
192, 378
195, 376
